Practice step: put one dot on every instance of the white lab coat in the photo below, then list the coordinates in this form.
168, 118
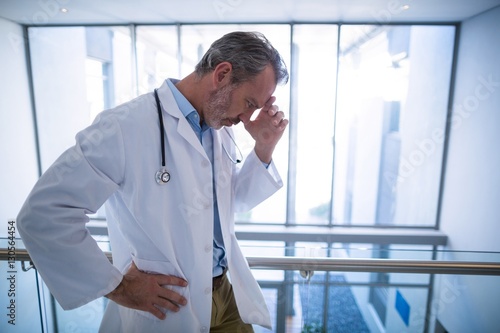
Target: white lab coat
165, 229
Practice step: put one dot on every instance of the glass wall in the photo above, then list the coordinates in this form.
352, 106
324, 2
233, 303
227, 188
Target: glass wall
321, 300
157, 49
77, 72
314, 87
367, 107
391, 119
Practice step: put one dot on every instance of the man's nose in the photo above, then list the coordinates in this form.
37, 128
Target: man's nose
245, 117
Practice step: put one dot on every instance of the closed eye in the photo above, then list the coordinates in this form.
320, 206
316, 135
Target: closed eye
250, 105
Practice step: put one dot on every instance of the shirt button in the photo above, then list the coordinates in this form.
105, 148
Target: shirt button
208, 248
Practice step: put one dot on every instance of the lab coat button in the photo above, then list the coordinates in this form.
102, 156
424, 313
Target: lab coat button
208, 290
205, 163
203, 329
208, 248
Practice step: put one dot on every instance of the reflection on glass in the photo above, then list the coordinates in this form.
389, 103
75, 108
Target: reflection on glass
315, 52
157, 56
367, 152
77, 72
391, 114
95, 86
264, 249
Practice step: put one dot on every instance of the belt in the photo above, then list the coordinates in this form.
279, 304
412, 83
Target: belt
217, 280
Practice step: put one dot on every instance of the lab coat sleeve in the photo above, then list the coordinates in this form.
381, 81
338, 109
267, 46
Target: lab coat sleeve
255, 183
52, 220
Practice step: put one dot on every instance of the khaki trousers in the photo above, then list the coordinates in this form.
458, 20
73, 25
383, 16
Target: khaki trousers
225, 315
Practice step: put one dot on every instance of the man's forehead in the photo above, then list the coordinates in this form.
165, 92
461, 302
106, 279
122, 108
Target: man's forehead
261, 104
262, 87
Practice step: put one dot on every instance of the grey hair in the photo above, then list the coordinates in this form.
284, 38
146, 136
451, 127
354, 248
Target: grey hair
248, 52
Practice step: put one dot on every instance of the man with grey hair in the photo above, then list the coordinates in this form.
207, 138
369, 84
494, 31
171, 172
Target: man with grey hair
171, 229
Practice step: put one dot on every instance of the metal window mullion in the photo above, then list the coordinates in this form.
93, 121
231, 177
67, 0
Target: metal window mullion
449, 113
332, 197
31, 87
134, 65
179, 50
292, 133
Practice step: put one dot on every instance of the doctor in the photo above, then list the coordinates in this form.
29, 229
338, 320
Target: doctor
168, 169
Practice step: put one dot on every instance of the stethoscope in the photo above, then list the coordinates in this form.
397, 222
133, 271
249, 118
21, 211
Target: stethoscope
162, 176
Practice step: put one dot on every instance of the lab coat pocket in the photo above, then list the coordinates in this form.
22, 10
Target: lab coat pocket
160, 267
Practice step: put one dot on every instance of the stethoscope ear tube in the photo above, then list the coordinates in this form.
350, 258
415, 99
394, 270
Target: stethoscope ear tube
162, 176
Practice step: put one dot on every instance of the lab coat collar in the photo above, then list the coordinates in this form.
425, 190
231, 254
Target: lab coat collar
183, 126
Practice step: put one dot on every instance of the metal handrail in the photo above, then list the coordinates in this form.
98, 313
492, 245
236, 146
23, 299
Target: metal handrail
343, 264
23, 255
376, 265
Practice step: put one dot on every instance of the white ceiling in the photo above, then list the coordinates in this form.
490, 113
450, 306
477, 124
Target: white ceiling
47, 12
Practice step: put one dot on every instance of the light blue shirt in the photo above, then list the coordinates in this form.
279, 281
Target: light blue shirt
204, 134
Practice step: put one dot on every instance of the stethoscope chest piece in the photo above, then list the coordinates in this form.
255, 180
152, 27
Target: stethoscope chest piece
162, 176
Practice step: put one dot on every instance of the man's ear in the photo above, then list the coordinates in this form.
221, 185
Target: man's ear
222, 74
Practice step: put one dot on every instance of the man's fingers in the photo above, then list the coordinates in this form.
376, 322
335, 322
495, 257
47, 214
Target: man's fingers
163, 297
171, 280
283, 124
153, 293
273, 110
156, 312
172, 296
170, 303
278, 117
269, 102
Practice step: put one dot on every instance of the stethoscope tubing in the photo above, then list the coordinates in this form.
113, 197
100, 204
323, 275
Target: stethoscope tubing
162, 176
162, 129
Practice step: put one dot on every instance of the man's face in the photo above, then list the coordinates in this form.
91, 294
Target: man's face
217, 107
231, 104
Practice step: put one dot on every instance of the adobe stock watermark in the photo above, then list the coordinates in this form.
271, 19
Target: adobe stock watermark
48, 9
223, 7
393, 8
425, 148
11, 273
202, 198
381, 17
450, 291
90, 139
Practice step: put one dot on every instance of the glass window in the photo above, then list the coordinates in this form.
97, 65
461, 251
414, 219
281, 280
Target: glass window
157, 56
391, 118
96, 81
77, 72
365, 141
313, 120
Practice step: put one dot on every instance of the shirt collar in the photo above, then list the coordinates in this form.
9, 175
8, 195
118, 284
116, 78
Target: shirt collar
182, 102
186, 107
